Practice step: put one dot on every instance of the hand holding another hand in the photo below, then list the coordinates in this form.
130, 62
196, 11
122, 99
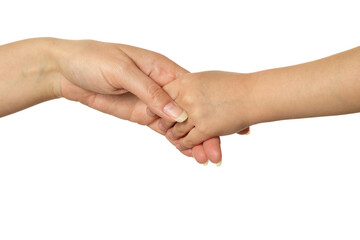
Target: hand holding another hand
123, 81
217, 104
117, 79
192, 109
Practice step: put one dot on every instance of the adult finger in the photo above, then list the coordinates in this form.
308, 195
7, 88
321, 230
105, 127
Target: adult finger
198, 152
125, 106
157, 66
213, 150
152, 95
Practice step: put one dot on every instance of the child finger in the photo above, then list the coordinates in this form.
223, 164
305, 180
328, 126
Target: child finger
212, 149
193, 138
199, 154
164, 125
180, 130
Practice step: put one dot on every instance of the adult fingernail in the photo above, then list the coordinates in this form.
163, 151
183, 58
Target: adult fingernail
206, 163
174, 111
218, 164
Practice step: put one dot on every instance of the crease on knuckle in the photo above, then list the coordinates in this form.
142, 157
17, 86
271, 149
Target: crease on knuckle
176, 132
90, 100
125, 66
186, 98
203, 128
187, 143
155, 93
167, 124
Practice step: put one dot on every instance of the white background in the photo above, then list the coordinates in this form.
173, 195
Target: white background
70, 172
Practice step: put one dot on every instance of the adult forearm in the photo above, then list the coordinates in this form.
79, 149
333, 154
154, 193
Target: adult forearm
328, 86
27, 73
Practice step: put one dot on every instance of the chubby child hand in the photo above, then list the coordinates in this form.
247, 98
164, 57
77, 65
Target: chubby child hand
216, 103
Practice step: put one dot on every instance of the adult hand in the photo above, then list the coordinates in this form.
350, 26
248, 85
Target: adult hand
122, 81
108, 68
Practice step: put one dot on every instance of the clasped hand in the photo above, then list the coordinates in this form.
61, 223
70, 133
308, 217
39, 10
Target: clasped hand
128, 82
191, 109
134, 84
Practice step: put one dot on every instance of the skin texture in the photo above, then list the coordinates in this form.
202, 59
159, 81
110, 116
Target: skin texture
135, 84
216, 103
221, 103
116, 79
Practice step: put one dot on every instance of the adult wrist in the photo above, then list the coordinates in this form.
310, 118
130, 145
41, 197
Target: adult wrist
39, 65
55, 52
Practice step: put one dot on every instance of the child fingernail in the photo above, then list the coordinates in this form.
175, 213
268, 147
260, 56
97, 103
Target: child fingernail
174, 111
219, 164
150, 113
170, 134
162, 127
206, 163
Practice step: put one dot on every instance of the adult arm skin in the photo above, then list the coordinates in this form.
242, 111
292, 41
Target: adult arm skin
104, 68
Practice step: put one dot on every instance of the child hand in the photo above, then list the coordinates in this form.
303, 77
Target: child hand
216, 103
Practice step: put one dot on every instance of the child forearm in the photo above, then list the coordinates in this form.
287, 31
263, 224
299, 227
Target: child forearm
328, 86
26, 74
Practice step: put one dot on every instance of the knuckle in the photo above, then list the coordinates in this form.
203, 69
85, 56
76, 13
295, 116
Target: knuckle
203, 128
155, 92
90, 100
125, 66
121, 66
186, 98
141, 121
167, 124
177, 131
185, 84
187, 143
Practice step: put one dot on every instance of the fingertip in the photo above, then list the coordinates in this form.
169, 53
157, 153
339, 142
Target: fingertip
199, 154
187, 152
213, 149
215, 156
182, 117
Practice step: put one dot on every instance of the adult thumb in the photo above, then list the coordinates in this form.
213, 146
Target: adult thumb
148, 91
